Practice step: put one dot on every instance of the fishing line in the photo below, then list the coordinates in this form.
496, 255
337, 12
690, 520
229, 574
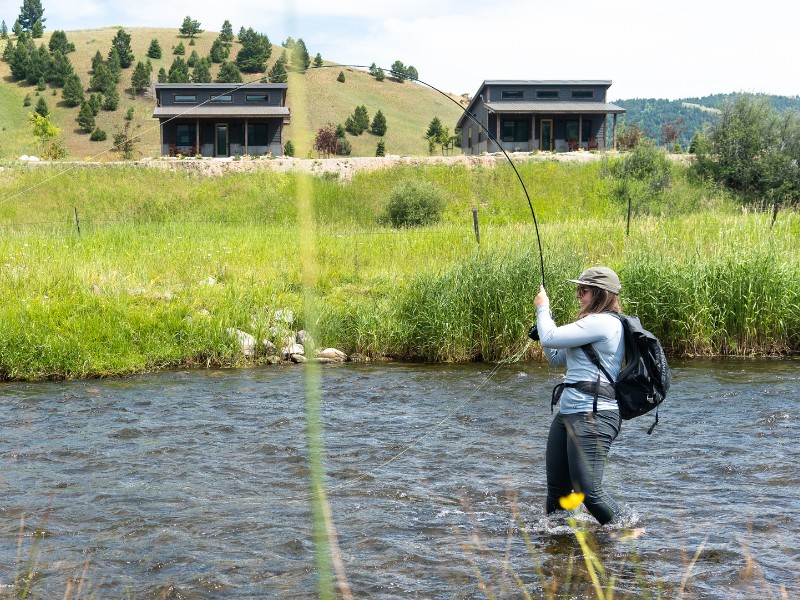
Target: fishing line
489, 135
189, 109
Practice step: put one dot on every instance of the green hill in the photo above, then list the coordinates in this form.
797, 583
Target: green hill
651, 114
408, 107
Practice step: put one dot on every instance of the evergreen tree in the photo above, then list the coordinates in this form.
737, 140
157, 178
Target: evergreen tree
435, 129
190, 27
26, 101
17, 29
102, 79
8, 51
300, 57
288, 148
229, 73
179, 50
341, 78
226, 33
380, 150
129, 114
38, 30
202, 72
318, 60
194, 58
154, 51
95, 100
179, 71
98, 135
31, 12
114, 64
59, 43
140, 80
277, 74
283, 59
40, 64
97, 59
20, 61
378, 126
162, 75
41, 107
111, 99
361, 118
373, 69
411, 72
399, 71
73, 90
86, 117
41, 84
3, 30
242, 33
256, 50
122, 42
380, 75
60, 69
219, 51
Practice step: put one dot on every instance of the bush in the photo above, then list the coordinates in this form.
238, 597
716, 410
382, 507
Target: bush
414, 203
288, 148
343, 146
98, 135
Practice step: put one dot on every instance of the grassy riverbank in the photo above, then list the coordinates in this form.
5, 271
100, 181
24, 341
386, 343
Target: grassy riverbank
166, 262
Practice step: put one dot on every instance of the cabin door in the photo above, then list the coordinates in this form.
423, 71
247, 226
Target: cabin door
221, 139
546, 135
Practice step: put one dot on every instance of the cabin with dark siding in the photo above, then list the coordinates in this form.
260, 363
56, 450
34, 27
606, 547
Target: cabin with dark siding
221, 119
547, 115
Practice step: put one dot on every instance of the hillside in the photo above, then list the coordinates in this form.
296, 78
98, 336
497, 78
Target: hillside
408, 107
651, 114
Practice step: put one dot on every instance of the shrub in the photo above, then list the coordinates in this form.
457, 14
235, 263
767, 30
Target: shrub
343, 146
288, 148
413, 203
340, 78
380, 149
98, 135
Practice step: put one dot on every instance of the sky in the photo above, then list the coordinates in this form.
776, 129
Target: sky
675, 49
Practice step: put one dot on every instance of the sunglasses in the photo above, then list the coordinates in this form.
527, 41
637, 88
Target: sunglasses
583, 290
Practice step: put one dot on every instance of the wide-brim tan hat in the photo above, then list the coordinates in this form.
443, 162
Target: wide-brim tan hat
599, 277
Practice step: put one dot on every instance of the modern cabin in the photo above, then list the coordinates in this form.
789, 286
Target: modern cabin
221, 119
547, 115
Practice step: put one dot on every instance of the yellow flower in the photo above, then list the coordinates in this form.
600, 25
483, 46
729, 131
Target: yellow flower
572, 501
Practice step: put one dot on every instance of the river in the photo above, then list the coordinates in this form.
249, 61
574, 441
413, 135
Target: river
193, 484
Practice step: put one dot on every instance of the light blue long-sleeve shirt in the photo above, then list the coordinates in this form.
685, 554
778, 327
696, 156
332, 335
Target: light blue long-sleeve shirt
562, 345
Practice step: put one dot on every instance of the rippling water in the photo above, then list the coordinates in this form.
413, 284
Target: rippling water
194, 484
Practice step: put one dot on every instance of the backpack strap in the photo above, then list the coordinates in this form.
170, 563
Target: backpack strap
591, 353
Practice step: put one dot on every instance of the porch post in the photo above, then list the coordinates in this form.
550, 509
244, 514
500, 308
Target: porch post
580, 131
497, 131
197, 136
246, 150
614, 133
161, 137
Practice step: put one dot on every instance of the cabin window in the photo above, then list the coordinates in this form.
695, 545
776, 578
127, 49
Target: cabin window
469, 137
547, 94
221, 98
256, 97
257, 134
512, 94
185, 98
572, 130
582, 95
516, 130
184, 135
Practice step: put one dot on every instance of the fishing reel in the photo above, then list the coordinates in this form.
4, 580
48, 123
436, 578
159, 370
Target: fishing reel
533, 333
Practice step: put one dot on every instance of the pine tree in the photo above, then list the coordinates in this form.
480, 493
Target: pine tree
341, 78
201, 73
31, 12
122, 42
140, 80
162, 75
380, 149
399, 71
114, 64
361, 118
41, 107
300, 57
95, 100
226, 33
277, 74
17, 29
73, 90
154, 51
179, 71
378, 126
59, 43
39, 65
193, 59
190, 27
129, 114
256, 50
111, 99
318, 60
288, 148
219, 50
38, 30
86, 117
20, 61
97, 59
3, 30
380, 75
102, 79
229, 73
60, 69
179, 50
8, 51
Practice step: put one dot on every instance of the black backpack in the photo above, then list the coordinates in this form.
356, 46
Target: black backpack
644, 380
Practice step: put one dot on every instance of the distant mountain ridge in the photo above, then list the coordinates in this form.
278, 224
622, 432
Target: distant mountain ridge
651, 114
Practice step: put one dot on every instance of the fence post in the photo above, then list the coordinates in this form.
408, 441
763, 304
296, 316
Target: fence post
475, 224
77, 222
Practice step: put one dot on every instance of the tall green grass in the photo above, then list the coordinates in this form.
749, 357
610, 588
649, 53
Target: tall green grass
165, 263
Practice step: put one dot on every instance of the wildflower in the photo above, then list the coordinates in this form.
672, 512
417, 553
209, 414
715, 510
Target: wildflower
571, 501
